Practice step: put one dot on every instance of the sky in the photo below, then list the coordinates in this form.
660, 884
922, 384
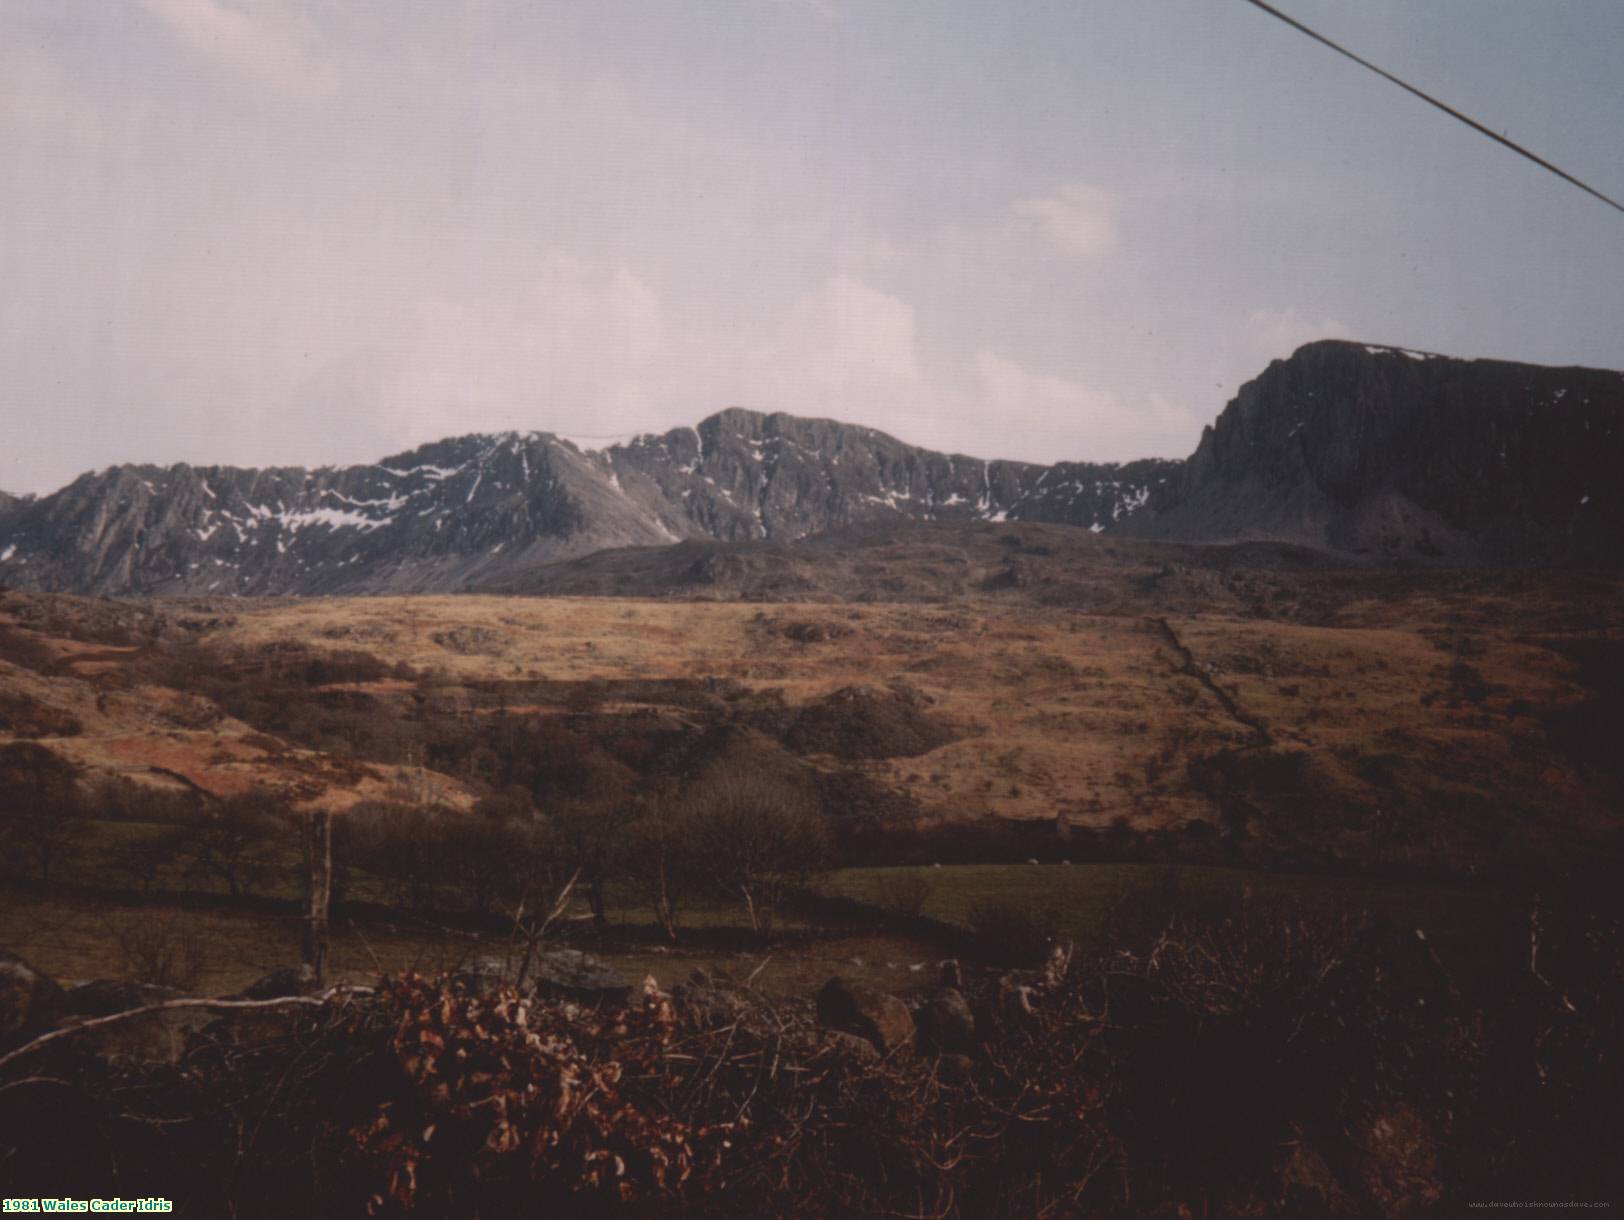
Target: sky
293, 232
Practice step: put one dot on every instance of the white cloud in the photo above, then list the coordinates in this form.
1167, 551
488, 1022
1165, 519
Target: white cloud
1271, 333
849, 342
1059, 419
595, 353
580, 343
260, 44
1078, 219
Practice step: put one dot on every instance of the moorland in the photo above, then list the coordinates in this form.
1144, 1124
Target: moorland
973, 742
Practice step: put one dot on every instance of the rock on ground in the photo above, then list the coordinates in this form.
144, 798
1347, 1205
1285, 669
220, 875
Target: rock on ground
852, 1008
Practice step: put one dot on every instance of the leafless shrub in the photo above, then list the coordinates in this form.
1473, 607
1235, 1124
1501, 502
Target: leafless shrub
165, 950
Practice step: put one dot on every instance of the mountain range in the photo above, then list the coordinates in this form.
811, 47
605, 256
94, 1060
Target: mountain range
1367, 452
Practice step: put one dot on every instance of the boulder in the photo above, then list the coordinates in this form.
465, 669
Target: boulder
707, 1004
29, 999
945, 1023
148, 1037
569, 974
289, 980
854, 1009
103, 997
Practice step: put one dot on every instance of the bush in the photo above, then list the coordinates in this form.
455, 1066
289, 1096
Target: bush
1012, 933
24, 716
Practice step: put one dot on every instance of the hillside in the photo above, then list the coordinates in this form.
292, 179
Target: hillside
1450, 721
1372, 453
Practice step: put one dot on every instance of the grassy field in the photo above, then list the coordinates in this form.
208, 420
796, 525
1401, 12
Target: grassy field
1090, 904
75, 938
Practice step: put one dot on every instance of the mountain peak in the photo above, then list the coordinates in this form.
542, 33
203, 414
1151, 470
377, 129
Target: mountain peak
1398, 453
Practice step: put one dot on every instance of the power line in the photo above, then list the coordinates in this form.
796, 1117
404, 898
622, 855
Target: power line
1432, 101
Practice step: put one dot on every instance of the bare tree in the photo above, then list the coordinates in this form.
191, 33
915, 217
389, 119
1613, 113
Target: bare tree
400, 841
233, 844
491, 852
39, 804
591, 799
660, 858
757, 838
145, 857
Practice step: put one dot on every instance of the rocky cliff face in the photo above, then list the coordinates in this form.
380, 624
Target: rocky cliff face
1399, 454
481, 509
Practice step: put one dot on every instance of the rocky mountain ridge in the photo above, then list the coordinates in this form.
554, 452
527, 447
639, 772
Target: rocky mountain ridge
1367, 451
475, 509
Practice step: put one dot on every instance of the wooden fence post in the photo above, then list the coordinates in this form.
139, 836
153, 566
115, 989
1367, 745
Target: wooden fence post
318, 838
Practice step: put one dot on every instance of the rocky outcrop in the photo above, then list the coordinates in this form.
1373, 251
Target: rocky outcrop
1403, 455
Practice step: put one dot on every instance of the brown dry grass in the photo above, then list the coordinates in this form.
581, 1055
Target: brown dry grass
1059, 712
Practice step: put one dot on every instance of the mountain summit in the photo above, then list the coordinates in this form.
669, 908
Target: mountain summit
1375, 451
1395, 453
